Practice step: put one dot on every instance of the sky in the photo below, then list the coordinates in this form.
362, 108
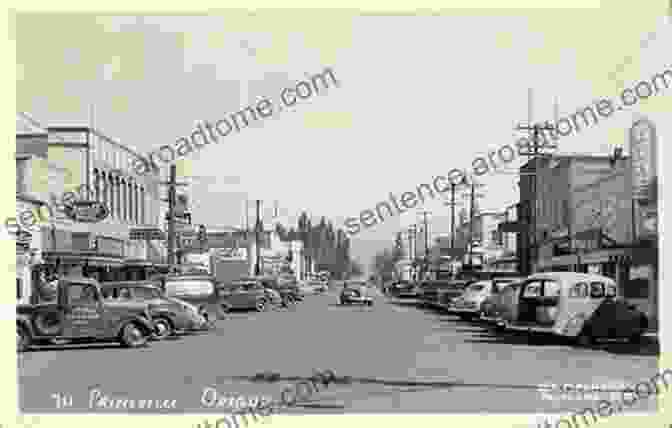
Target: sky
417, 97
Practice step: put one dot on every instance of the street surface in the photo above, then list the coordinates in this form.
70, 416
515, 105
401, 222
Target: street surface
383, 349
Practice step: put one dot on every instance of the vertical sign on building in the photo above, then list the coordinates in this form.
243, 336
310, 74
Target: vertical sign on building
643, 139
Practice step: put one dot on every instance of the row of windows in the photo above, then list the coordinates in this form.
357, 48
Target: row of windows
125, 199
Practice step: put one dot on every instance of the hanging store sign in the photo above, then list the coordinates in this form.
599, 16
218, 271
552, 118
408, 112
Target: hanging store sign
643, 140
87, 211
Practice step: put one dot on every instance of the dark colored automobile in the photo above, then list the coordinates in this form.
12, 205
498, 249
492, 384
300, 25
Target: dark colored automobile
80, 314
169, 315
244, 294
196, 289
431, 290
453, 290
355, 292
289, 290
404, 290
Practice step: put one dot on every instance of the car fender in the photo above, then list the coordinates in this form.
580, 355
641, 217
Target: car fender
24, 322
149, 328
166, 313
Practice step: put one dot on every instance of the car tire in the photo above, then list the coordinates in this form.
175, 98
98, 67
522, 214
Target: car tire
22, 339
164, 328
369, 303
261, 305
290, 301
132, 336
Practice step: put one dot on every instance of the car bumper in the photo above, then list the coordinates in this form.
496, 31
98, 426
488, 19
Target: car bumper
491, 319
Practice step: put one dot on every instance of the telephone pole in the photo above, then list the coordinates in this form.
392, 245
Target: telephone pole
172, 197
258, 228
425, 264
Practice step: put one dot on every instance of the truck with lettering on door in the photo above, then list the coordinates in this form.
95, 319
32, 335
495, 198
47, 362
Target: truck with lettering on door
81, 314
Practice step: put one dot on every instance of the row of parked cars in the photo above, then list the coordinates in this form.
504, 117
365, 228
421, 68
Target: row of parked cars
581, 306
133, 312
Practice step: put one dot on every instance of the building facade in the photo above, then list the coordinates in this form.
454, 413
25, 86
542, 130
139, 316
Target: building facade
81, 163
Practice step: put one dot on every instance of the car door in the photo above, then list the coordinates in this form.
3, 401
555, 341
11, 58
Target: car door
83, 311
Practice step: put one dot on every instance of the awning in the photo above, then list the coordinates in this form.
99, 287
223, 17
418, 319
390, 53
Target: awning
82, 257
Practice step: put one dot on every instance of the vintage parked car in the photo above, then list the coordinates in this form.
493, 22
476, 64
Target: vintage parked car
80, 314
290, 293
169, 316
446, 295
470, 304
244, 293
500, 305
404, 290
432, 289
581, 306
355, 292
198, 289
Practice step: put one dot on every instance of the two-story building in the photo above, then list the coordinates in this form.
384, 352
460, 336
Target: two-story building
94, 167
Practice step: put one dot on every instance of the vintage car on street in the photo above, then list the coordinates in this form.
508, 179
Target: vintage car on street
169, 315
404, 290
244, 293
500, 305
470, 304
446, 295
290, 293
584, 307
433, 289
355, 293
80, 314
197, 289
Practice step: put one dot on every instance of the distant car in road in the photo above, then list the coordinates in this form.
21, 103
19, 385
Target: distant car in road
169, 316
244, 294
355, 292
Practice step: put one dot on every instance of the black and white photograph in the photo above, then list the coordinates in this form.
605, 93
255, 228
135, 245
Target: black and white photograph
247, 214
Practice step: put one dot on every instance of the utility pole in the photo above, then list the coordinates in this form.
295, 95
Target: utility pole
425, 264
472, 196
257, 230
172, 196
535, 154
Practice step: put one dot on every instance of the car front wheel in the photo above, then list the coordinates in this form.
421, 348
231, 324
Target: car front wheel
132, 336
22, 339
163, 327
261, 305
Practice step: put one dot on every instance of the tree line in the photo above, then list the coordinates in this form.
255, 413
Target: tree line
326, 246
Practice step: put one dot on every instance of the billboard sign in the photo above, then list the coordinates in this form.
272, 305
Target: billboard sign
643, 139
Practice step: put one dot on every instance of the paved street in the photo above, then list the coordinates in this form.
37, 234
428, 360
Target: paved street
383, 349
